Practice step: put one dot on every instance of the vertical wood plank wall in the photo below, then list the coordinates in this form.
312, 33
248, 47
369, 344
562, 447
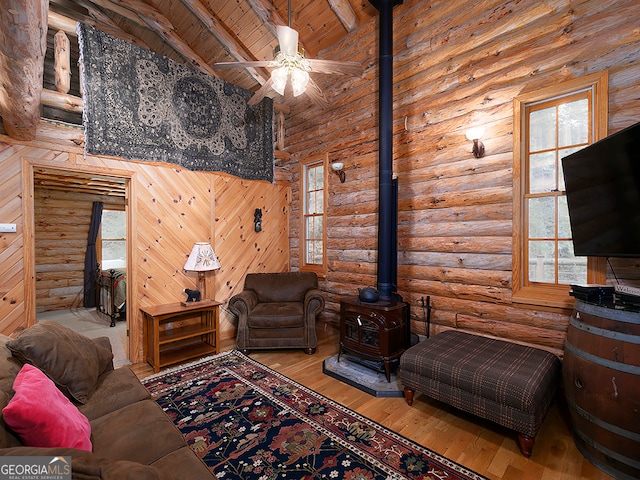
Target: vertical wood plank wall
456, 65
170, 209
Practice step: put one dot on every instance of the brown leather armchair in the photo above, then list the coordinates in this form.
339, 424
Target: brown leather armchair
278, 310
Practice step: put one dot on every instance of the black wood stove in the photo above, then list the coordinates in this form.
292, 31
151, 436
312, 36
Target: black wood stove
376, 334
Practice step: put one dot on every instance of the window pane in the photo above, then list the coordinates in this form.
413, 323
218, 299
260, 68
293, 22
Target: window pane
542, 217
542, 262
311, 179
114, 233
311, 203
314, 252
542, 172
573, 123
309, 227
571, 269
563, 153
564, 227
114, 254
542, 129
320, 201
114, 224
317, 228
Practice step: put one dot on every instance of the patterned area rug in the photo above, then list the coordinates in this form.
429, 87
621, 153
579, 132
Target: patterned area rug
247, 421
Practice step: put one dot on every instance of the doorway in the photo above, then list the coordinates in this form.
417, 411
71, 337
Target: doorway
62, 208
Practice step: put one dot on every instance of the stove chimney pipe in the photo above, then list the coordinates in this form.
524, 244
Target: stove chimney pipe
387, 224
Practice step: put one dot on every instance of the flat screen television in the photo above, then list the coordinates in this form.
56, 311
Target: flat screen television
603, 194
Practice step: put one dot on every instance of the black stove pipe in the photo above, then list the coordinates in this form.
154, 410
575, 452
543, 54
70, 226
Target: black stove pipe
387, 224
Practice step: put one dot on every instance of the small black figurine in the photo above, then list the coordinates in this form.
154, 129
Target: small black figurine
192, 295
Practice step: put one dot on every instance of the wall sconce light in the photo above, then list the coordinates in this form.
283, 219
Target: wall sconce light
475, 134
338, 168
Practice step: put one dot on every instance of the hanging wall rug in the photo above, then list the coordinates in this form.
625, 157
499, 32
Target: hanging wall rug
139, 105
247, 421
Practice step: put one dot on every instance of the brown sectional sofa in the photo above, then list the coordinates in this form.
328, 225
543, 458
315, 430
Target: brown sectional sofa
131, 436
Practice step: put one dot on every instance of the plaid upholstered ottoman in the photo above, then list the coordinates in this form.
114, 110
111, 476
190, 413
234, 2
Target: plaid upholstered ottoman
510, 384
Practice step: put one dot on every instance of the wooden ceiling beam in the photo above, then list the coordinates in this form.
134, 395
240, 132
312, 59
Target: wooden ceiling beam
60, 22
99, 20
218, 30
165, 29
24, 27
344, 11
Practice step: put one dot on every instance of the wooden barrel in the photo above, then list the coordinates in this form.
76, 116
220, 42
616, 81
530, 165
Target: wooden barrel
601, 372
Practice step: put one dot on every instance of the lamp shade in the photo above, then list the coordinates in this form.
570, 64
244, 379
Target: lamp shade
202, 258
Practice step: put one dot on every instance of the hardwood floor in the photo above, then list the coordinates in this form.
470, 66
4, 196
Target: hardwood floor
477, 444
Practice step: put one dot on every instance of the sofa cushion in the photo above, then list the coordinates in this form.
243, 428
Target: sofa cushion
140, 432
186, 462
42, 416
70, 359
89, 466
115, 389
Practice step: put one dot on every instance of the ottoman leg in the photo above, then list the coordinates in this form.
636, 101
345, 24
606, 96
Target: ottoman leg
526, 444
408, 394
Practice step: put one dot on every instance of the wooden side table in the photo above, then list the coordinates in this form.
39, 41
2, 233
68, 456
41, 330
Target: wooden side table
174, 332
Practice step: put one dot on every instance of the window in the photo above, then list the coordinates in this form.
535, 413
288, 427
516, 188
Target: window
113, 239
549, 125
313, 244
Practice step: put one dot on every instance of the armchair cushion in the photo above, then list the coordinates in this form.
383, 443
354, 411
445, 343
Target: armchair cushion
277, 314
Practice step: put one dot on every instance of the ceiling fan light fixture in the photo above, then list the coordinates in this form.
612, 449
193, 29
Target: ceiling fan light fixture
287, 40
279, 79
299, 81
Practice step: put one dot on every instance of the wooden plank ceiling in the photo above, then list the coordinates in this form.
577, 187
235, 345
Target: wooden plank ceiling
204, 32
72, 181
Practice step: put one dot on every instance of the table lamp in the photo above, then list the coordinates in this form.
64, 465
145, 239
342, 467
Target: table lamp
202, 259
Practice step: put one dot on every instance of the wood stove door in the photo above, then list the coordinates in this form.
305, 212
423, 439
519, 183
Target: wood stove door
360, 334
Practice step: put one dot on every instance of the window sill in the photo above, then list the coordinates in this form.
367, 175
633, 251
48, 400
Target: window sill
545, 296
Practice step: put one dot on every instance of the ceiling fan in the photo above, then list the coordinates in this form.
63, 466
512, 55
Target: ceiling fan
291, 67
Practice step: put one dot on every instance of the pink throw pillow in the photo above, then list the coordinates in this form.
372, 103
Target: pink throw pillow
42, 416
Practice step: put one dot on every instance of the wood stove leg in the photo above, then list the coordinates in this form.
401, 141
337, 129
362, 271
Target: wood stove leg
526, 444
408, 395
387, 371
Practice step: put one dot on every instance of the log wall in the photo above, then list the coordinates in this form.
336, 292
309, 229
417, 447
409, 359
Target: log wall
61, 221
169, 210
456, 65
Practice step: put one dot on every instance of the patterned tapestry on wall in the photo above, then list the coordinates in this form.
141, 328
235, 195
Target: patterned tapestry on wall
143, 106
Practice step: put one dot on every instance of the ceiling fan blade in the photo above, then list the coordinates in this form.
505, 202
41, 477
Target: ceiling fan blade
288, 40
260, 93
261, 63
336, 67
314, 92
